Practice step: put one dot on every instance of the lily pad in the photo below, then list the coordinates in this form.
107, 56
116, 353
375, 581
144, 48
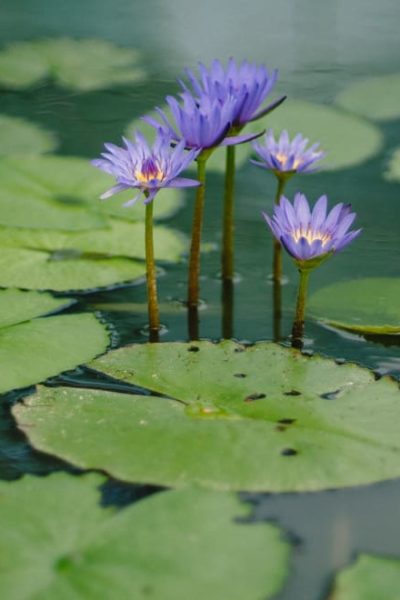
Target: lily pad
22, 138
348, 140
57, 542
119, 239
217, 161
32, 351
392, 172
375, 98
369, 306
64, 271
17, 306
54, 192
84, 65
225, 417
370, 578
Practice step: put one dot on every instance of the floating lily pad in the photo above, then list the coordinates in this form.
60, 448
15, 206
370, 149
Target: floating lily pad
217, 161
54, 192
85, 65
392, 172
57, 542
120, 239
226, 417
375, 98
32, 351
17, 306
370, 578
369, 306
22, 138
348, 140
64, 271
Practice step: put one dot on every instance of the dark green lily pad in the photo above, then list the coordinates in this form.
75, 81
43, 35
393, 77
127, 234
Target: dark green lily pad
369, 306
121, 238
64, 271
84, 65
227, 417
57, 542
32, 351
54, 192
17, 306
375, 98
348, 140
22, 138
370, 578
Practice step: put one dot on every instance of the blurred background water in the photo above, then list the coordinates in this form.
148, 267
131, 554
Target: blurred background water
320, 48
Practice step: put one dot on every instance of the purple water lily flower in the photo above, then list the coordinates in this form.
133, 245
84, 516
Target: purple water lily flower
248, 83
287, 157
311, 236
203, 123
146, 168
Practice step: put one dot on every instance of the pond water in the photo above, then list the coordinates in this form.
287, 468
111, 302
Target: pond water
320, 49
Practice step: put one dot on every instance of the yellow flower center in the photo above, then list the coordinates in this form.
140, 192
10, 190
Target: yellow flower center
149, 176
311, 236
283, 158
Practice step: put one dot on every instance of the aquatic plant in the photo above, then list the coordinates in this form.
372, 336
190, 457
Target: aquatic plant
248, 85
147, 169
310, 237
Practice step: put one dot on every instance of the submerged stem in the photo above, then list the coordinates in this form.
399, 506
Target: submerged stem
228, 216
154, 323
194, 259
298, 324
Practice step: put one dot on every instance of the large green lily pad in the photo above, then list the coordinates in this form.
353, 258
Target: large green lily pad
368, 306
85, 65
225, 417
57, 542
32, 351
348, 140
54, 192
370, 578
119, 239
17, 306
22, 138
375, 98
64, 271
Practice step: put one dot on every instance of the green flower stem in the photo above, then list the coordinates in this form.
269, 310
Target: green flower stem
228, 218
277, 260
298, 324
194, 259
227, 309
154, 322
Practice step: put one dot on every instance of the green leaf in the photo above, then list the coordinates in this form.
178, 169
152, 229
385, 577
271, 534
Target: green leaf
17, 306
58, 543
375, 98
84, 65
32, 351
64, 271
370, 578
120, 239
53, 192
392, 172
369, 306
22, 138
226, 417
347, 139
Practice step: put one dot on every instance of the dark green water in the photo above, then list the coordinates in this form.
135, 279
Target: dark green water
319, 49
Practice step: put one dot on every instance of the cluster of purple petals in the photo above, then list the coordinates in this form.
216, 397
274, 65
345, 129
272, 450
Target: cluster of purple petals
283, 155
202, 123
137, 165
247, 83
306, 234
